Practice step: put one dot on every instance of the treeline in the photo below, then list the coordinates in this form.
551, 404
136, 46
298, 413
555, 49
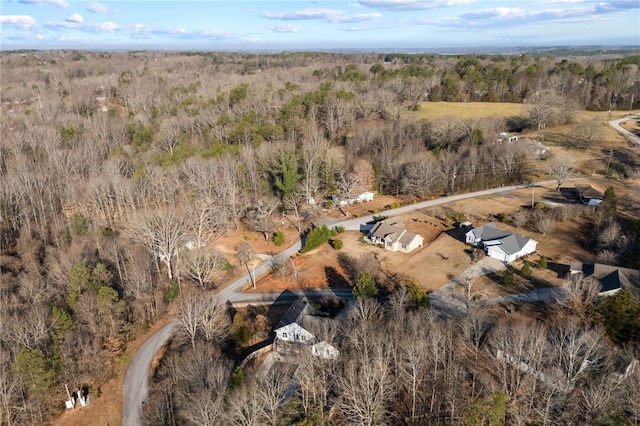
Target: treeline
399, 364
113, 163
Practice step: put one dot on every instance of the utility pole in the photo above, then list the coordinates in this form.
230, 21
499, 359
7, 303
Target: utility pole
606, 173
532, 198
631, 103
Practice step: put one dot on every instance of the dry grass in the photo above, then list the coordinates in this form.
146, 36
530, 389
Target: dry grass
470, 109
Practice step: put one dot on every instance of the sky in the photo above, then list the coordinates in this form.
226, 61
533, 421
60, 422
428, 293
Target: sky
316, 25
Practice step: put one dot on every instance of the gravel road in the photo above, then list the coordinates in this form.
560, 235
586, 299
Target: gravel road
136, 380
627, 134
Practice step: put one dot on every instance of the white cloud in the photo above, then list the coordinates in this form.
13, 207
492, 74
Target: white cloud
404, 5
304, 14
75, 18
56, 3
82, 26
104, 26
358, 17
97, 8
139, 31
330, 15
22, 22
286, 28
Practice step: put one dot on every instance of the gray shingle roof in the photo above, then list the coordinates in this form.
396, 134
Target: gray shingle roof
610, 277
293, 313
489, 232
391, 228
513, 243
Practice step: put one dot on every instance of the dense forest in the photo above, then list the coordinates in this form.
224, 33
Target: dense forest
112, 162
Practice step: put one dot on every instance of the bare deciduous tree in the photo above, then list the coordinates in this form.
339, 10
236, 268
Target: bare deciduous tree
586, 133
199, 312
544, 224
561, 168
258, 217
579, 292
164, 233
244, 254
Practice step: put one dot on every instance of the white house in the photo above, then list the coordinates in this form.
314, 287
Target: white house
294, 333
324, 350
500, 244
394, 236
290, 328
511, 247
484, 233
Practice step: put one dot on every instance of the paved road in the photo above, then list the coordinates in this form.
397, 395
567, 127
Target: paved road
136, 380
616, 125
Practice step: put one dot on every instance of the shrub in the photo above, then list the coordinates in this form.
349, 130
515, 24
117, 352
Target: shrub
340, 229
417, 296
365, 287
79, 225
541, 206
240, 333
449, 220
501, 217
394, 205
542, 263
278, 238
237, 377
316, 237
336, 244
525, 272
507, 278
173, 292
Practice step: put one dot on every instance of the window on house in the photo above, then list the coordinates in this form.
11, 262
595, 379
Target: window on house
284, 334
404, 247
389, 244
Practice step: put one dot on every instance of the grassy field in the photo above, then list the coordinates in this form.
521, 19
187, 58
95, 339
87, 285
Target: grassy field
479, 110
499, 109
432, 110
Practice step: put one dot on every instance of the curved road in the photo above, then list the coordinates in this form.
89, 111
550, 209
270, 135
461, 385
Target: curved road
136, 379
627, 134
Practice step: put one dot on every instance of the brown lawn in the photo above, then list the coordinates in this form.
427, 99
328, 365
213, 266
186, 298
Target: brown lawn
444, 254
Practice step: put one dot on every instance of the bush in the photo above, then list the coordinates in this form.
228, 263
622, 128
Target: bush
394, 205
542, 263
278, 238
340, 229
365, 287
240, 333
316, 237
501, 217
79, 225
525, 272
336, 244
173, 292
507, 278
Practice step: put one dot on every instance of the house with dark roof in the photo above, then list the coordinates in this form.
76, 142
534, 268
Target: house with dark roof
612, 278
292, 336
394, 236
290, 328
500, 244
589, 194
